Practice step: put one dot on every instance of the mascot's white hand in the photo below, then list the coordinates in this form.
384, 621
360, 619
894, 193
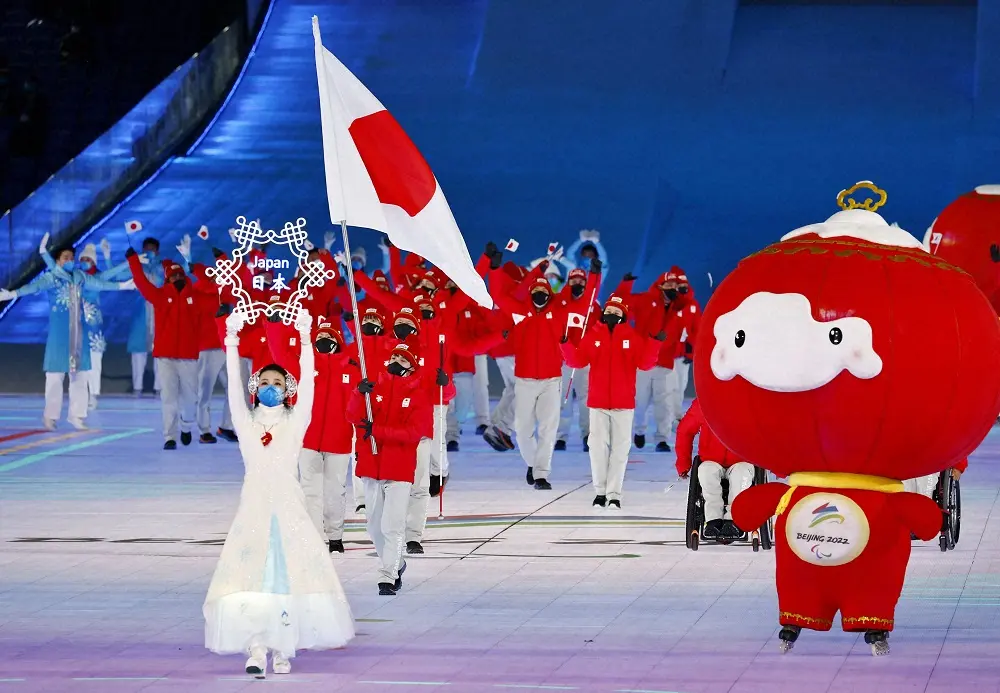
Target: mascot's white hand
106, 249
43, 247
341, 258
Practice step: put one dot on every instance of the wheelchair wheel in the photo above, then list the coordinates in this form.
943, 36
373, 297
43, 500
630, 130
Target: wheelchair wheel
948, 495
695, 509
766, 529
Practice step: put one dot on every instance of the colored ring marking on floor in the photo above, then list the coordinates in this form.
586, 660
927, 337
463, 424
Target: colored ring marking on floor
44, 441
39, 456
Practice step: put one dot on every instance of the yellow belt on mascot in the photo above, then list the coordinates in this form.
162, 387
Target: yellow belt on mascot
861, 482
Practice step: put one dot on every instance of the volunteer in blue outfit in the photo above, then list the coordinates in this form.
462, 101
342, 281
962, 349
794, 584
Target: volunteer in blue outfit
585, 249
66, 348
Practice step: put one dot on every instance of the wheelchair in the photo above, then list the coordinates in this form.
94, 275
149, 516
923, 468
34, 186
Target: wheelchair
695, 524
948, 495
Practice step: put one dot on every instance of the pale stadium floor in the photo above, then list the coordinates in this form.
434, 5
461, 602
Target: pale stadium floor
107, 545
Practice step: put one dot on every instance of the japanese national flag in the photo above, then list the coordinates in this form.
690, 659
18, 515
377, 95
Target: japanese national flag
377, 179
308, 244
132, 227
574, 320
512, 245
552, 247
203, 233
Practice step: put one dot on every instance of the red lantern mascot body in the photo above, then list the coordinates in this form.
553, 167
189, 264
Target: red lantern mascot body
816, 370
967, 234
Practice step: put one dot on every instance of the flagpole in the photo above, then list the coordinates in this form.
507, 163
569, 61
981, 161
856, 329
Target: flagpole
441, 424
359, 340
572, 373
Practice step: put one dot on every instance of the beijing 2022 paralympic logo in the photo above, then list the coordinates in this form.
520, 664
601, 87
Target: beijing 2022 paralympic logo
827, 529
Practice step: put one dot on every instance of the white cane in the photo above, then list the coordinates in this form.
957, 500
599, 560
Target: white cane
441, 424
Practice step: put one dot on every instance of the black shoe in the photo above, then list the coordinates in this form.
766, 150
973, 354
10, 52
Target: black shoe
730, 530
386, 589
614, 505
481, 429
414, 547
399, 577
227, 434
506, 439
452, 446
713, 530
208, 439
560, 445
170, 445
336, 545
185, 437
640, 441
542, 485
493, 439
600, 501
435, 487
360, 508
586, 444
662, 447
530, 477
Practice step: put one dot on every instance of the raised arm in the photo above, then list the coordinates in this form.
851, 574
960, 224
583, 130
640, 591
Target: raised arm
302, 411
234, 390
119, 272
149, 291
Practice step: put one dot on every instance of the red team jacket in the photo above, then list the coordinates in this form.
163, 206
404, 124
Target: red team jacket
175, 314
710, 448
613, 356
401, 415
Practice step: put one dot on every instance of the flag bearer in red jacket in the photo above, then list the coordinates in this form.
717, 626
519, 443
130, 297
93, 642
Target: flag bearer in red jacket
175, 347
538, 364
211, 357
401, 415
717, 463
688, 311
326, 450
576, 299
614, 350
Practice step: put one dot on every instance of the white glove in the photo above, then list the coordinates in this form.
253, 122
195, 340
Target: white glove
232, 235
341, 258
328, 239
127, 286
590, 235
6, 295
106, 250
303, 323
185, 248
144, 259
235, 322
43, 247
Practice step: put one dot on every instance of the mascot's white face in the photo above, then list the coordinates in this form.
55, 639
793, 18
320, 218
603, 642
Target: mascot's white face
773, 342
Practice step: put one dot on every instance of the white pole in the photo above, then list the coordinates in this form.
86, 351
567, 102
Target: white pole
441, 425
572, 373
357, 325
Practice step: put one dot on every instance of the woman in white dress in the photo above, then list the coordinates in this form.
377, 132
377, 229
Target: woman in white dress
275, 588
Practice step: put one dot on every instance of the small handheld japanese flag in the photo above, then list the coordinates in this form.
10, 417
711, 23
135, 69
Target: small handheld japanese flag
552, 247
512, 245
308, 244
574, 320
203, 233
132, 226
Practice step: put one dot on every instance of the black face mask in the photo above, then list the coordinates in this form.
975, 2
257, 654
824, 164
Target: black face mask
325, 345
453, 290
670, 294
370, 329
427, 314
611, 319
539, 299
396, 368
179, 284
402, 331
683, 290
576, 290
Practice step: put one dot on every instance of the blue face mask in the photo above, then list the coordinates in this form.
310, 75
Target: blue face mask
69, 266
271, 395
357, 265
152, 254
86, 265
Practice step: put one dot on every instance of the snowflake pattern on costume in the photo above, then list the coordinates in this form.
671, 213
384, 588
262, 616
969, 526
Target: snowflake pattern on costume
92, 313
248, 235
63, 294
97, 342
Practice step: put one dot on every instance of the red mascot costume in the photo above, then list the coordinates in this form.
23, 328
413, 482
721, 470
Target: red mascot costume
813, 364
967, 234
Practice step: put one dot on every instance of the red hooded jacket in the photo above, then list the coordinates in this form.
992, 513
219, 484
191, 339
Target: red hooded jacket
175, 314
401, 416
613, 356
710, 448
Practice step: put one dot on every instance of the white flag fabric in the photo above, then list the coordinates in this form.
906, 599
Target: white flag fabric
377, 179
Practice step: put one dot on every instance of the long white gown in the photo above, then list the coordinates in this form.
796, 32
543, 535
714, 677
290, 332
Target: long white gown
275, 585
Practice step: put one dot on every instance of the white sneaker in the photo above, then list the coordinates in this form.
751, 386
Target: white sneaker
50, 424
280, 663
257, 664
77, 424
92, 405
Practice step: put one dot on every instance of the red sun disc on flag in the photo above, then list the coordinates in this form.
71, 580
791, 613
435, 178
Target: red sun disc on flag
398, 171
